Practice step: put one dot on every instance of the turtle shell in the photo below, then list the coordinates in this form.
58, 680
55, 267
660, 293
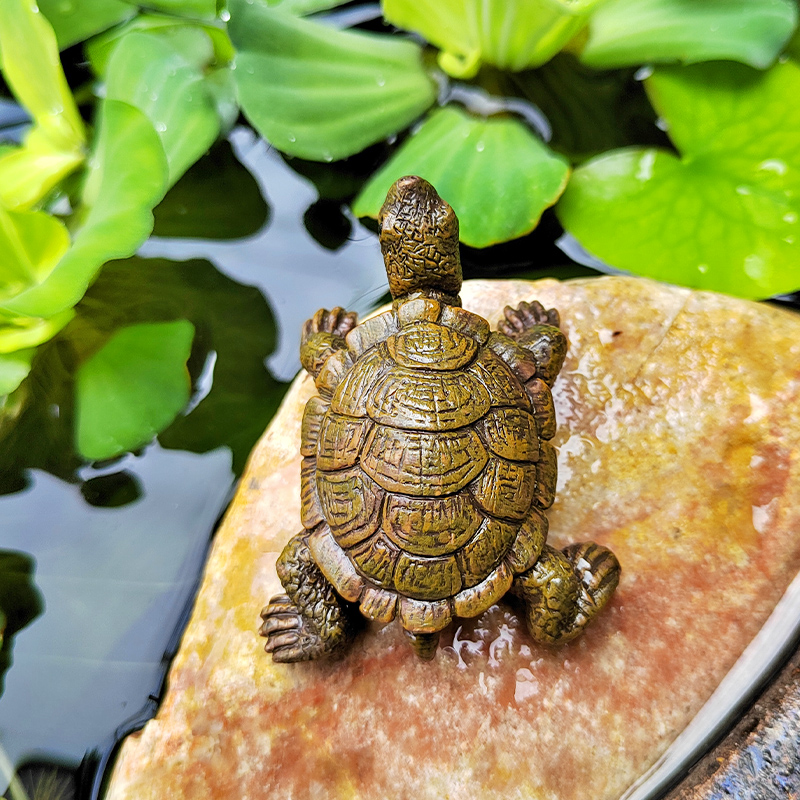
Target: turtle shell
428, 463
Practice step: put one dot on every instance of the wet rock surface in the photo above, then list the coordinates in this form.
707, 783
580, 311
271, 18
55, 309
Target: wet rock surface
679, 447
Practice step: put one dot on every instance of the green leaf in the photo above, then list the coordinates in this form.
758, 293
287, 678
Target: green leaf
32, 68
216, 199
75, 21
172, 29
320, 93
196, 9
14, 368
494, 172
511, 34
303, 7
127, 179
167, 84
631, 32
724, 215
17, 332
32, 243
132, 388
29, 173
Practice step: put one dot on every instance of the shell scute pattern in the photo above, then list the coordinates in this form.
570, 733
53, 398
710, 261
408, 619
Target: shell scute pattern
436, 439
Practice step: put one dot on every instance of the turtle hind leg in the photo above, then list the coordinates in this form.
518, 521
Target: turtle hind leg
311, 620
565, 590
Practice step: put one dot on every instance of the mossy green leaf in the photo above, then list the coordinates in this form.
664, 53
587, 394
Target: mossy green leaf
320, 93
631, 32
494, 172
132, 388
127, 179
168, 85
724, 214
510, 34
75, 21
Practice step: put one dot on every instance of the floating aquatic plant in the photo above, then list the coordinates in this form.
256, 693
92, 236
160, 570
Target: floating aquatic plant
451, 89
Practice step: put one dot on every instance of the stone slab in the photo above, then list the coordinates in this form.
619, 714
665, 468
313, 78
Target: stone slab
679, 447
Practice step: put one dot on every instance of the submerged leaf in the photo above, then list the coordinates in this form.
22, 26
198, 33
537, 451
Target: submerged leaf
494, 172
724, 215
510, 34
319, 93
132, 388
168, 85
127, 179
632, 32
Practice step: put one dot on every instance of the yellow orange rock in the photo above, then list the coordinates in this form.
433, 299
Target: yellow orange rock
679, 447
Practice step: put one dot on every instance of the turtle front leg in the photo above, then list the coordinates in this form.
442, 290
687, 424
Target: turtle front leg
536, 329
323, 335
311, 620
565, 590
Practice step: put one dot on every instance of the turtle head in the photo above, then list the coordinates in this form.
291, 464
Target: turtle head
419, 241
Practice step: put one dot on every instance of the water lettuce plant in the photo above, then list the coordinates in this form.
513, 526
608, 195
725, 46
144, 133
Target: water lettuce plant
664, 132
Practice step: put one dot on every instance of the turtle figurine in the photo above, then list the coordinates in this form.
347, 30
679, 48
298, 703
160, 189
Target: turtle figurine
427, 466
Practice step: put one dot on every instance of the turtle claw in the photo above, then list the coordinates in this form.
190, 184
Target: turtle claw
522, 318
337, 321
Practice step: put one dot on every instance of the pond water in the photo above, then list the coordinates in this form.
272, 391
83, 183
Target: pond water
100, 561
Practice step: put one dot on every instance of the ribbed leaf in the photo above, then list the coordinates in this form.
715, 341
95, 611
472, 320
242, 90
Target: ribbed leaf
320, 93
133, 387
511, 34
494, 172
630, 32
724, 215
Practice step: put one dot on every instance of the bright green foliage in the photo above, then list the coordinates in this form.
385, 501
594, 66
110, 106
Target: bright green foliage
32, 243
127, 178
494, 172
195, 9
319, 93
76, 20
164, 79
630, 32
510, 34
14, 368
32, 69
132, 388
178, 32
724, 215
